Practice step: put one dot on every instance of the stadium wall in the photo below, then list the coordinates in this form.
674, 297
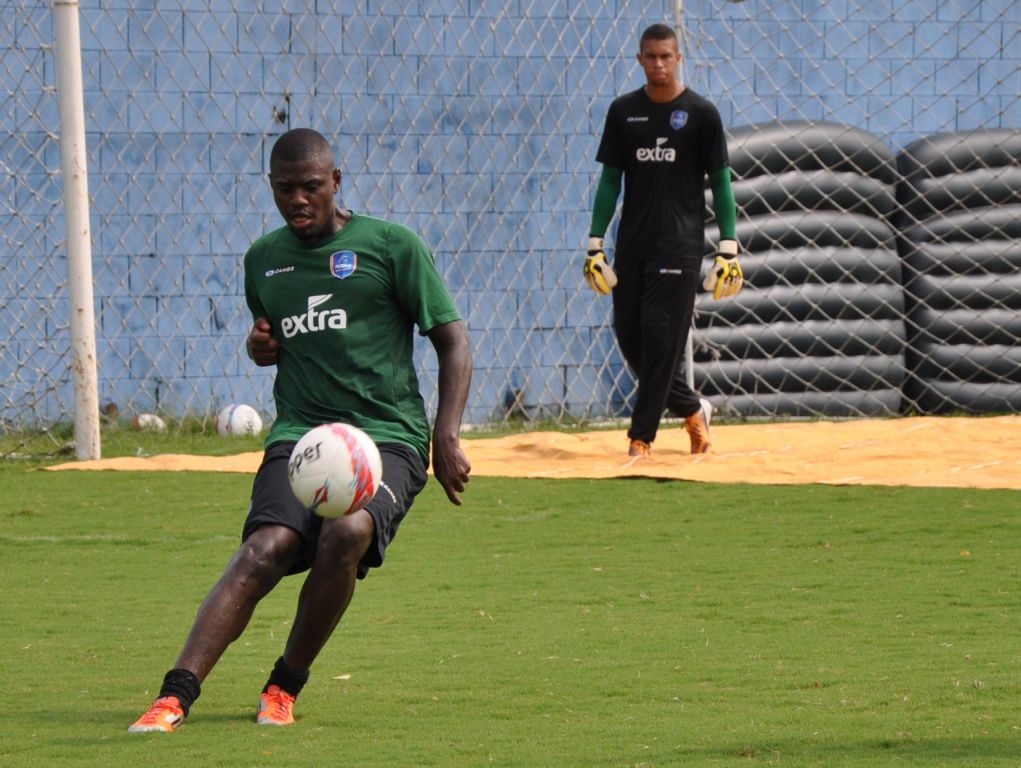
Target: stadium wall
474, 122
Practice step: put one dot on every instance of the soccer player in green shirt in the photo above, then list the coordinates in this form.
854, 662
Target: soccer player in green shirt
335, 296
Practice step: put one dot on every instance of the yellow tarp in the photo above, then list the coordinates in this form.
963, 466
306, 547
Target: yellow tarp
925, 451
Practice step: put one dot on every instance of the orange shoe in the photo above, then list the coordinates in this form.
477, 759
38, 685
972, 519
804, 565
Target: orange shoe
163, 716
639, 449
276, 707
698, 426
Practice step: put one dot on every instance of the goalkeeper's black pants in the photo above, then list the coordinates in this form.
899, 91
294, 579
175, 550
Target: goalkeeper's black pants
653, 306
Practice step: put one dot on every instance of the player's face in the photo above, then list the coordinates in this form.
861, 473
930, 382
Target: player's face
303, 192
659, 60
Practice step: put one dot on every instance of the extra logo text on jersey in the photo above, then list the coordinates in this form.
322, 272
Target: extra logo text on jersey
657, 154
313, 321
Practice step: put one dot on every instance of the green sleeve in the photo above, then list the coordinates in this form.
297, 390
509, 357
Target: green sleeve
606, 200
723, 203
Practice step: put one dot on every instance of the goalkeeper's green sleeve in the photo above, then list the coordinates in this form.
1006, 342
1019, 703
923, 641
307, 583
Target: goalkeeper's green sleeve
606, 200
723, 203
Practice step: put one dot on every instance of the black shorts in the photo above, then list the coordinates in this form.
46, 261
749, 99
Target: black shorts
404, 476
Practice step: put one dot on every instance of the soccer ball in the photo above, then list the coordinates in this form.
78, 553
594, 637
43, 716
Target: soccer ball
335, 469
238, 421
149, 422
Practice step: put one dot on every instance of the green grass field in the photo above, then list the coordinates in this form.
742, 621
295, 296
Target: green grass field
544, 623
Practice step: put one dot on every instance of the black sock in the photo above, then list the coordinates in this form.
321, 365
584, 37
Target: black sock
182, 684
289, 679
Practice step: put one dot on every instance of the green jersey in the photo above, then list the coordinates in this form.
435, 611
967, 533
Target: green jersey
343, 311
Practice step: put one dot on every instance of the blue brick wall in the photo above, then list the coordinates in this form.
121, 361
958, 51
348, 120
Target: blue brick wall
920, 68
473, 121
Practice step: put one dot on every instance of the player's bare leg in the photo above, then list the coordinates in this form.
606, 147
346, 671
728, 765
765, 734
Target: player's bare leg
329, 586
257, 566
324, 598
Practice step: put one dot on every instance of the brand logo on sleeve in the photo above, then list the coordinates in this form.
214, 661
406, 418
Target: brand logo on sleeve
278, 271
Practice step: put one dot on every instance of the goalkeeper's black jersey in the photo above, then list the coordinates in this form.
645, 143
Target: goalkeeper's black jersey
665, 151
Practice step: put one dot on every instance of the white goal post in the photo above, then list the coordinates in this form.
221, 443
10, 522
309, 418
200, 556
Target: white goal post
74, 171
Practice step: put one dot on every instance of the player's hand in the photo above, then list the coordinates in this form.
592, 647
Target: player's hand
262, 346
450, 466
598, 273
725, 278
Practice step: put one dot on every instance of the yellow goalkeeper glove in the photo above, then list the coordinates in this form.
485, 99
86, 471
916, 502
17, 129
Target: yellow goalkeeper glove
598, 272
726, 278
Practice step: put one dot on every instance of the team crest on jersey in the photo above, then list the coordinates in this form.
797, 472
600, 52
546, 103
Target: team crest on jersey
678, 119
343, 263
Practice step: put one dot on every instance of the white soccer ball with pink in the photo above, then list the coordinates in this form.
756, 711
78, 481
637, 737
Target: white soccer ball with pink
335, 469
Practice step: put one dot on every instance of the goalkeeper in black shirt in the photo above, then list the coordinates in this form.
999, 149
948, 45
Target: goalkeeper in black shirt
663, 140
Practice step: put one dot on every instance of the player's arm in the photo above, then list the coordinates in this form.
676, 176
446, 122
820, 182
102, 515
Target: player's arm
597, 271
261, 344
450, 465
605, 203
723, 203
725, 278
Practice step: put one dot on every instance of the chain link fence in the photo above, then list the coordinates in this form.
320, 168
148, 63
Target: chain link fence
877, 161
476, 123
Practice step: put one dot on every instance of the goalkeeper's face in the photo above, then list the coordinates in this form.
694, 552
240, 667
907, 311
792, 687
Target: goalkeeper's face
659, 60
303, 191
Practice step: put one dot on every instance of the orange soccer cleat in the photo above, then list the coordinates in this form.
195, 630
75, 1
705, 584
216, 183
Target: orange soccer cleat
639, 449
698, 426
163, 717
276, 707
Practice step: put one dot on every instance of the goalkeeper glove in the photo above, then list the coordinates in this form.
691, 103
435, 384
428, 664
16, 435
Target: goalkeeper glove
598, 273
726, 278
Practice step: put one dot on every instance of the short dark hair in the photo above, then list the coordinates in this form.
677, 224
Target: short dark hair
301, 144
657, 32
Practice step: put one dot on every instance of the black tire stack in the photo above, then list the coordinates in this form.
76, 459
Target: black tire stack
960, 239
819, 328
